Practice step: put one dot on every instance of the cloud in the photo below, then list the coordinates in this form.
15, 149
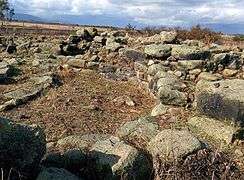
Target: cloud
150, 12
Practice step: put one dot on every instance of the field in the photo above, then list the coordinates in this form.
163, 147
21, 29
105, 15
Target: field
103, 103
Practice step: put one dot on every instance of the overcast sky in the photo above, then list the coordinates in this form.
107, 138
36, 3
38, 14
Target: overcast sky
148, 12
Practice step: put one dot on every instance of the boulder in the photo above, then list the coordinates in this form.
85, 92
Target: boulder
168, 36
120, 160
84, 34
4, 71
56, 174
72, 160
172, 145
229, 73
21, 147
158, 50
170, 96
227, 60
190, 64
27, 91
221, 99
144, 128
209, 76
216, 129
80, 141
189, 52
112, 45
160, 109
132, 55
155, 68
170, 90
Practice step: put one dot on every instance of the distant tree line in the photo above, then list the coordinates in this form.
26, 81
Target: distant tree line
6, 12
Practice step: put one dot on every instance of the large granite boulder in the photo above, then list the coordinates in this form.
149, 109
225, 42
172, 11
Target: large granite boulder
118, 160
215, 129
221, 99
173, 145
158, 50
189, 52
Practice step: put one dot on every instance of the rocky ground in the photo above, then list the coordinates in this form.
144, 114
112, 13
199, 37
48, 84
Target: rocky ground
120, 105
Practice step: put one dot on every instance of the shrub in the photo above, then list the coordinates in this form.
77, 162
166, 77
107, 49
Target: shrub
198, 33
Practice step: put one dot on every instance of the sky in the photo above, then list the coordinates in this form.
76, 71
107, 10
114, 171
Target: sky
140, 12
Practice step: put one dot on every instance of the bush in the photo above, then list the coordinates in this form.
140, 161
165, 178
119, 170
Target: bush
198, 33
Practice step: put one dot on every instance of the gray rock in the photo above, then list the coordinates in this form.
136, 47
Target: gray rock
221, 99
112, 45
170, 96
172, 145
132, 55
170, 90
71, 159
122, 160
27, 91
190, 64
144, 128
77, 63
154, 68
189, 52
21, 147
158, 50
56, 174
4, 70
215, 129
168, 36
100, 39
209, 76
160, 109
80, 142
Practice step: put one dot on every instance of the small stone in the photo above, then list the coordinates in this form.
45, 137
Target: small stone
158, 110
229, 72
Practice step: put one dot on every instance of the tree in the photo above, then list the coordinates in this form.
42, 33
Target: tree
4, 8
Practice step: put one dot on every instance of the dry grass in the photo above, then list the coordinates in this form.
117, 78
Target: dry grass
203, 165
84, 104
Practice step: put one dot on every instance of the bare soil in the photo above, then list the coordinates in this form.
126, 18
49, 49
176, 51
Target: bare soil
83, 104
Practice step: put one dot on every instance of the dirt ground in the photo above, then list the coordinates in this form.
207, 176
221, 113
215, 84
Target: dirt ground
85, 103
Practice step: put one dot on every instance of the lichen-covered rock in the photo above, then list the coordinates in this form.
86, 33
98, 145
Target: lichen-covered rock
144, 128
81, 142
190, 64
170, 90
118, 160
215, 129
112, 45
21, 147
159, 109
209, 76
172, 145
221, 99
34, 87
56, 174
4, 70
158, 50
132, 55
168, 36
189, 52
